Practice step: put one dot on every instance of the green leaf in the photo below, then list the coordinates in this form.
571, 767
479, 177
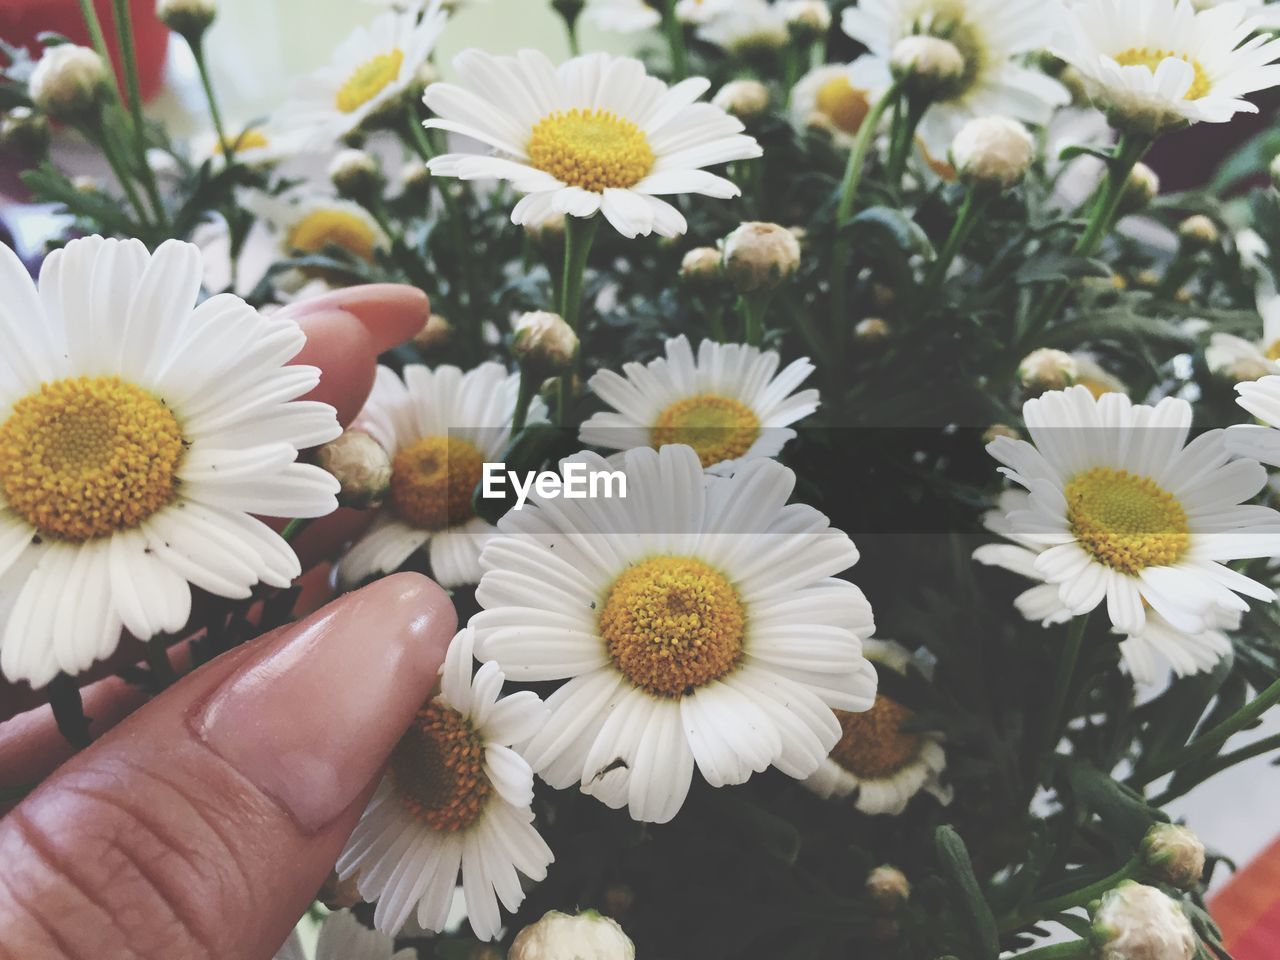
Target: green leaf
1059, 268
1172, 717
874, 225
1115, 325
775, 835
1071, 153
1122, 810
1251, 159
953, 856
49, 185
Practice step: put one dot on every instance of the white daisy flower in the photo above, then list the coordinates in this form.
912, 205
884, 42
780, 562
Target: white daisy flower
876, 761
748, 28
837, 97
309, 223
367, 72
697, 12
139, 436
343, 937
252, 147
456, 797
991, 35
440, 427
698, 621
596, 135
622, 16
1262, 399
730, 403
1143, 653
1240, 359
1126, 510
1158, 63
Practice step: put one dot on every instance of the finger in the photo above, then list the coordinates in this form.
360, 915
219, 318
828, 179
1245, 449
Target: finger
229, 796
391, 312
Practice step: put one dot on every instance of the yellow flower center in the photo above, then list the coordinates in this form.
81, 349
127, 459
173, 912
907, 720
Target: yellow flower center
433, 480
718, 428
438, 769
1273, 350
249, 140
1151, 59
591, 149
369, 80
672, 625
88, 456
1125, 521
1098, 388
873, 744
843, 104
345, 229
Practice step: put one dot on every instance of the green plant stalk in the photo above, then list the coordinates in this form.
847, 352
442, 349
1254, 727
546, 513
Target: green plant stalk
99, 42
128, 55
675, 40
293, 528
753, 307
1222, 762
902, 139
579, 235
95, 132
215, 114
1054, 718
1076, 898
529, 384
967, 218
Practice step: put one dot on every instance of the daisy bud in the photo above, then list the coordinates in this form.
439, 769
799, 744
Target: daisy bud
544, 343
187, 18
744, 99
355, 174
930, 65
69, 83
883, 295
997, 430
559, 936
415, 177
888, 888
1137, 922
362, 467
1046, 369
872, 330
26, 131
435, 335
993, 152
1140, 189
759, 257
1174, 855
1199, 232
701, 267
808, 20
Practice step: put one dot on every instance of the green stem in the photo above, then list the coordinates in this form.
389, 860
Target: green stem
579, 234
1128, 152
753, 307
197, 51
966, 220
1076, 898
99, 41
1216, 766
1071, 950
903, 138
293, 528
1054, 718
128, 55
157, 655
68, 710
675, 39
529, 384
95, 132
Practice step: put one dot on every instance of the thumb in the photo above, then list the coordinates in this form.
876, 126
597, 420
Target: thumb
203, 825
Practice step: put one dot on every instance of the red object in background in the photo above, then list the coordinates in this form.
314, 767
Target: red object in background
1248, 909
22, 20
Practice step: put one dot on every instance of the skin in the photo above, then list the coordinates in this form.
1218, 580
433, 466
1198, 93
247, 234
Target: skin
201, 824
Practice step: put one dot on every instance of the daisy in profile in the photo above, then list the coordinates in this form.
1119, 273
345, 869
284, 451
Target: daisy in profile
343, 937
251, 147
368, 72
1240, 359
992, 36
1123, 509
837, 97
309, 223
729, 403
622, 16
1154, 64
456, 798
696, 622
595, 136
748, 28
1262, 399
140, 438
1145, 653
880, 761
440, 427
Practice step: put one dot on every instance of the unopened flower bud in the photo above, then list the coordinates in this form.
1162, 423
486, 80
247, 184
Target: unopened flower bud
1047, 369
1199, 232
759, 257
888, 888
1174, 855
993, 152
808, 20
701, 267
744, 99
930, 66
1140, 189
187, 18
997, 430
69, 83
872, 330
26, 131
544, 343
360, 465
435, 334
1137, 922
415, 177
355, 174
560, 936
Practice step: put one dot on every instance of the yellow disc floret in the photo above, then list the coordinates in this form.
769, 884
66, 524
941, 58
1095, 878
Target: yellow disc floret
1151, 59
438, 769
718, 428
843, 104
873, 744
591, 149
1273, 350
673, 624
1126, 521
333, 227
88, 456
369, 80
432, 482
249, 140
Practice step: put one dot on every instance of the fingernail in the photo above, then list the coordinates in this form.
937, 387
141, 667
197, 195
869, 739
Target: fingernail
390, 312
312, 720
